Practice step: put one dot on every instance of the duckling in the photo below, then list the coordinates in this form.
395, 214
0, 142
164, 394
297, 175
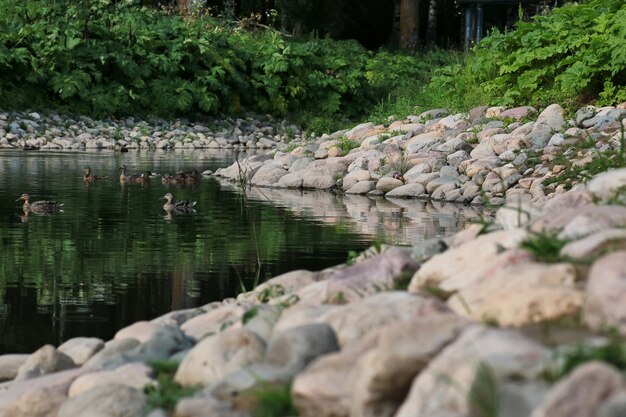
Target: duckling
40, 206
168, 178
126, 177
89, 178
123, 176
143, 178
193, 177
182, 205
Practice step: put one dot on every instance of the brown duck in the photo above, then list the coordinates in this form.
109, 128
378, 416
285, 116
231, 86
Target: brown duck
40, 206
89, 178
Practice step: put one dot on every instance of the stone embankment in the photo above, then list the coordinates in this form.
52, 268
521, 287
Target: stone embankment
55, 132
503, 322
486, 156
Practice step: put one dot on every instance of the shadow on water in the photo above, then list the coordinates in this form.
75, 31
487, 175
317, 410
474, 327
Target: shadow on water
114, 256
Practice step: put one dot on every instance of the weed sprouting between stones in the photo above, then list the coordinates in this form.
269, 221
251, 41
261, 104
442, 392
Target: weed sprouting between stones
545, 246
346, 145
166, 392
613, 353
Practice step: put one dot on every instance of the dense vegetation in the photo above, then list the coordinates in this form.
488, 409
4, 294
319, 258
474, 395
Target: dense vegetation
107, 58
104, 58
572, 55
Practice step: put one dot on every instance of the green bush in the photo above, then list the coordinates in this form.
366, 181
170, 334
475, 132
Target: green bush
574, 54
107, 58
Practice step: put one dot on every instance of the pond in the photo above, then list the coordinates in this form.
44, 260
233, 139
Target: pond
114, 256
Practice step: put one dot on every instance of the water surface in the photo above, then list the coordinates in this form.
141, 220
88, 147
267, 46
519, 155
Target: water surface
114, 256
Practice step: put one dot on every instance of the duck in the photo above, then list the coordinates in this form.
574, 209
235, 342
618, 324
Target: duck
168, 178
124, 176
180, 205
88, 177
139, 178
40, 206
193, 177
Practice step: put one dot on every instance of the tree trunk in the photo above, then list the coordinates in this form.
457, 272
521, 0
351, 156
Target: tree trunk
409, 23
431, 28
183, 6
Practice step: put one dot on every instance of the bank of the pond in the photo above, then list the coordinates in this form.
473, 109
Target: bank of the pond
488, 155
385, 335
39, 131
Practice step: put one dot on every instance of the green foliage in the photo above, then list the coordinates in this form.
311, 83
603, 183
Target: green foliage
573, 53
249, 314
269, 292
613, 353
402, 282
545, 246
398, 165
346, 145
166, 392
483, 393
274, 400
116, 58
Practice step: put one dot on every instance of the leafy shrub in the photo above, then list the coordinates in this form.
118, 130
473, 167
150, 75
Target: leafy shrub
573, 53
346, 145
117, 58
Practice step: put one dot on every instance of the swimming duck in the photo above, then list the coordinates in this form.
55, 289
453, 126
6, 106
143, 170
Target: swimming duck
124, 176
88, 177
168, 178
193, 177
40, 206
143, 178
181, 205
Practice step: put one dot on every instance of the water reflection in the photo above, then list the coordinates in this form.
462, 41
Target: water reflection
395, 221
115, 256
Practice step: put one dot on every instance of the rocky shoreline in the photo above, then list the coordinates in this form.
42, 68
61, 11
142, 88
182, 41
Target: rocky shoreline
484, 157
35, 131
505, 321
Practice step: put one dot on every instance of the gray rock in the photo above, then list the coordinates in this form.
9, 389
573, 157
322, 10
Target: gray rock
455, 159
407, 191
402, 351
608, 184
582, 392
206, 405
216, 356
477, 113
293, 349
477, 353
109, 400
363, 187
10, 364
43, 361
386, 184
136, 375
438, 182
36, 402
262, 320
112, 352
606, 287
434, 114
584, 113
615, 406
81, 349
448, 171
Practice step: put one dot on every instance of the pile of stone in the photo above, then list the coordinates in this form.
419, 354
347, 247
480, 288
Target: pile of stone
485, 156
348, 342
33, 130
